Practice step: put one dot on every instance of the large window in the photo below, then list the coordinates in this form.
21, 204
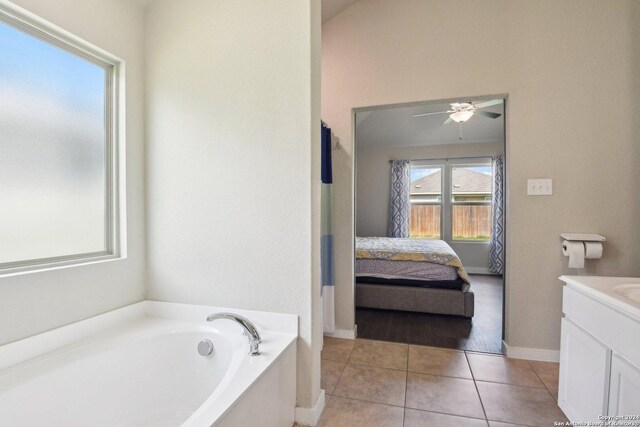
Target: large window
426, 202
471, 202
451, 201
58, 157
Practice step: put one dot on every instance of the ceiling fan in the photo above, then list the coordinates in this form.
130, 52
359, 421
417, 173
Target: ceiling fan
462, 111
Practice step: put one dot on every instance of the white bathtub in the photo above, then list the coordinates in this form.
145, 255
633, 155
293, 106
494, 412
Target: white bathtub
139, 366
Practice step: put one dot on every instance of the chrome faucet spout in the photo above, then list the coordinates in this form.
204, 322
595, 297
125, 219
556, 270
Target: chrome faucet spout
249, 328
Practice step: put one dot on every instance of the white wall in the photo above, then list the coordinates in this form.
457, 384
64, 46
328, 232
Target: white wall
36, 302
373, 172
571, 71
233, 114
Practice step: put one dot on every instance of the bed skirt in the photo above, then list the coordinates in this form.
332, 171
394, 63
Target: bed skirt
411, 298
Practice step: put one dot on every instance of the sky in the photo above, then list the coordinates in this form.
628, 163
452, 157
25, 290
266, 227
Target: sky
52, 110
417, 173
29, 64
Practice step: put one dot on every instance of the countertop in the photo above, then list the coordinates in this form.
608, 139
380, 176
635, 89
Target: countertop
602, 288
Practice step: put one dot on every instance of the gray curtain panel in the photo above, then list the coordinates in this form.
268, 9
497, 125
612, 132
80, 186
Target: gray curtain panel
496, 248
399, 203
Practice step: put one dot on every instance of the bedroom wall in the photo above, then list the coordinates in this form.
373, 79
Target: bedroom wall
233, 121
571, 71
373, 188
36, 302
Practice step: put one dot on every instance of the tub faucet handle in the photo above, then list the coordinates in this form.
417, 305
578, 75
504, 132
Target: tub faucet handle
249, 328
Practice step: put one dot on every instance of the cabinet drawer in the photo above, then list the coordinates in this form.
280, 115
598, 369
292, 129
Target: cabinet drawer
607, 325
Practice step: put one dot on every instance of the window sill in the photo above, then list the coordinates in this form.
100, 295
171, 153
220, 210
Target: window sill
474, 242
58, 265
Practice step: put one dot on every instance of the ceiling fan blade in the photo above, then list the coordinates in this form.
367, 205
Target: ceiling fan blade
490, 103
488, 114
448, 121
429, 114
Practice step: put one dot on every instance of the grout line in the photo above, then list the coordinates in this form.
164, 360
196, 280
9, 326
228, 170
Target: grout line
441, 375
346, 362
513, 385
350, 353
339, 376
447, 413
466, 358
406, 385
334, 360
475, 385
374, 366
367, 401
543, 383
371, 340
416, 409
408, 355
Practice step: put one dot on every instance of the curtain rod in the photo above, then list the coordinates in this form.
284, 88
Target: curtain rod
448, 158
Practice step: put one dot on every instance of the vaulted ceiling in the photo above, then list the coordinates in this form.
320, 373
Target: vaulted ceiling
393, 126
331, 8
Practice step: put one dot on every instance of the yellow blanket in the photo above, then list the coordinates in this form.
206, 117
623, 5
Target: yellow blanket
399, 249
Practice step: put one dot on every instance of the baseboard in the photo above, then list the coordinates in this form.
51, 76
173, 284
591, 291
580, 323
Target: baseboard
310, 416
541, 354
348, 334
479, 270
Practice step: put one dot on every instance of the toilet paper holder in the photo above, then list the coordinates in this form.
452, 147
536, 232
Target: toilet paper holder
581, 246
582, 237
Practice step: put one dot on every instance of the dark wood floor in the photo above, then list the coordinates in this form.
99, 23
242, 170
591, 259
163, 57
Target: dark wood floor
483, 333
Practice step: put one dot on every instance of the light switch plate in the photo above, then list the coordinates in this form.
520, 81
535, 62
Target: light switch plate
539, 187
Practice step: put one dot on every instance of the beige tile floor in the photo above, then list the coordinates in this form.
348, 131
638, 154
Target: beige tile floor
374, 383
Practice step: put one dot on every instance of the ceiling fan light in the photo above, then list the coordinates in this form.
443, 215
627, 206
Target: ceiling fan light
461, 116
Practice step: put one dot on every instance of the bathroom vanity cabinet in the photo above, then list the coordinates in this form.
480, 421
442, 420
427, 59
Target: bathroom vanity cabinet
600, 349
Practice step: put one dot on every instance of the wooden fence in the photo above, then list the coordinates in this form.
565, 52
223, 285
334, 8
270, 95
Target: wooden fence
425, 221
469, 222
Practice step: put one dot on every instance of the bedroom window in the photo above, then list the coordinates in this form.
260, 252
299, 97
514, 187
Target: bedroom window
471, 187
58, 148
426, 202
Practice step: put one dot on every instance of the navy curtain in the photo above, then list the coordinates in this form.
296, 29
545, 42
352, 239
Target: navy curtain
326, 232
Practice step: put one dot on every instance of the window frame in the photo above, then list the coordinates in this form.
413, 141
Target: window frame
446, 205
114, 227
432, 164
460, 164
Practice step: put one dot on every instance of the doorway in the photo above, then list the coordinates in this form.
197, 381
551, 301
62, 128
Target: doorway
435, 278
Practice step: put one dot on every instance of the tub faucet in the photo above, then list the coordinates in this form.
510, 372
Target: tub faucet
249, 328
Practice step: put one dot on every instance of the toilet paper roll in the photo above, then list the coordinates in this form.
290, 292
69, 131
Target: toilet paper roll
575, 252
593, 250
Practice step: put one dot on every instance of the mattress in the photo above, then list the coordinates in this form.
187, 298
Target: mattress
423, 260
408, 273
415, 270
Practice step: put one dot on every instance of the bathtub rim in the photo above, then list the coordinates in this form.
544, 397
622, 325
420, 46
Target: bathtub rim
25, 349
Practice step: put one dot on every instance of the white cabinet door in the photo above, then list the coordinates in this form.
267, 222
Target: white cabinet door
584, 375
624, 395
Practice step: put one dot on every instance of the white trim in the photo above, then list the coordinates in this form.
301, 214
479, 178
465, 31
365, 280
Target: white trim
115, 226
344, 333
542, 354
480, 270
310, 416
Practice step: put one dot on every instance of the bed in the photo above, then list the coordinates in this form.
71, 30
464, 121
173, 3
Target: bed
421, 275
